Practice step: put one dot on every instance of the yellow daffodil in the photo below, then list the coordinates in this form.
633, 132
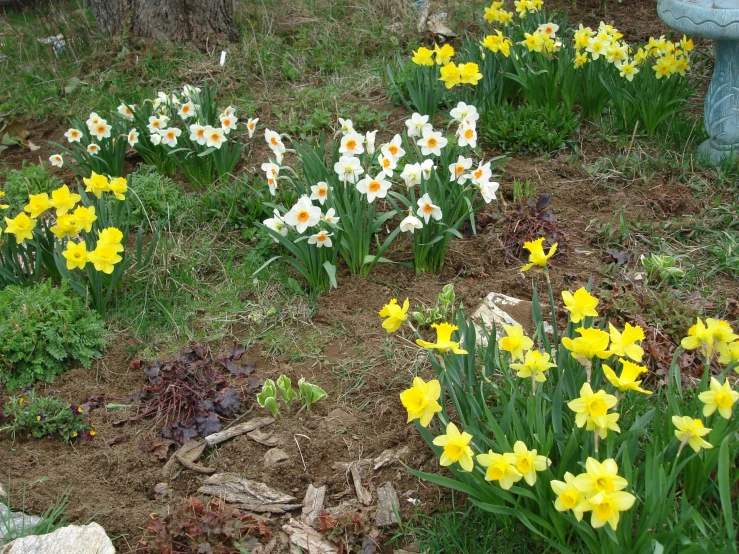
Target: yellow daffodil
21, 226
624, 344
699, 336
721, 331
96, 184
582, 37
534, 364
528, 462
501, 468
537, 255
641, 56
719, 397
84, 218
421, 400
580, 305
111, 237
691, 431
63, 200
423, 56
686, 44
627, 380
443, 339
592, 342
66, 226
104, 257
76, 255
607, 508
663, 67
37, 204
469, 73
119, 187
600, 477
3, 206
516, 342
627, 69
580, 59
450, 75
456, 448
609, 422
728, 353
444, 54
395, 315
568, 496
592, 406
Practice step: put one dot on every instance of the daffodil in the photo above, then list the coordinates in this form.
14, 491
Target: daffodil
536, 253
535, 364
410, 224
76, 255
423, 56
456, 448
319, 192
516, 342
691, 431
56, 160
609, 422
373, 187
3, 206
580, 305
591, 343
450, 75
427, 209
352, 144
592, 406
444, 54
718, 397
607, 508
73, 135
443, 339
303, 214
104, 258
721, 331
501, 468
65, 226
417, 125
421, 400
395, 315
112, 237
96, 184
627, 69
119, 187
432, 142
469, 73
321, 239
580, 59
348, 168
63, 200
37, 204
599, 477
84, 218
568, 496
699, 337
627, 380
624, 344
528, 462
21, 226
728, 353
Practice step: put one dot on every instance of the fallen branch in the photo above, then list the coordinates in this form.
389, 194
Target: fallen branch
192, 466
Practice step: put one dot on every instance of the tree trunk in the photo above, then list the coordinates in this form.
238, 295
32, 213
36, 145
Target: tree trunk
181, 20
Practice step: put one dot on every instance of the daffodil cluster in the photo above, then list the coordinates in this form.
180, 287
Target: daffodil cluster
451, 74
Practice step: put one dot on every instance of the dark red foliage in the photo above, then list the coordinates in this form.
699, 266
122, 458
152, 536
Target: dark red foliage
529, 221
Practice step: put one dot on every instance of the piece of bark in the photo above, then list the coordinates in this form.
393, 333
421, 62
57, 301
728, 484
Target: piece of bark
365, 466
189, 451
387, 503
274, 456
390, 456
238, 429
192, 466
307, 539
267, 439
253, 495
313, 504
364, 496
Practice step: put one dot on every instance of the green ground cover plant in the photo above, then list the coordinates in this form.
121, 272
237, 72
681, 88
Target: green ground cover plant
43, 330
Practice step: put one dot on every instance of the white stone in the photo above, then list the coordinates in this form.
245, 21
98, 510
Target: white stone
77, 539
13, 524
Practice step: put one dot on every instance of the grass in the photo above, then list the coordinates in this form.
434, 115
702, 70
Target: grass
52, 519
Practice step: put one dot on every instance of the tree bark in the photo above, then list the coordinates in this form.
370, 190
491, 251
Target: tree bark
180, 20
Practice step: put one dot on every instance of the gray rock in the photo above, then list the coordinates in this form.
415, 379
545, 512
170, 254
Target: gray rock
77, 539
387, 503
274, 456
13, 524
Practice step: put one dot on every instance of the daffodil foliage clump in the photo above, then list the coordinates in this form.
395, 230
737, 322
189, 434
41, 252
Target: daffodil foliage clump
44, 329
563, 433
71, 236
537, 57
184, 131
430, 180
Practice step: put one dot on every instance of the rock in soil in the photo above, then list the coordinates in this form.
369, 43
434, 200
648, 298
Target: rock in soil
13, 524
313, 504
267, 439
387, 504
87, 539
238, 429
274, 456
498, 310
307, 539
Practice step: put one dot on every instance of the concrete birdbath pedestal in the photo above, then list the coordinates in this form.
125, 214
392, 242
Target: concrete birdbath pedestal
717, 20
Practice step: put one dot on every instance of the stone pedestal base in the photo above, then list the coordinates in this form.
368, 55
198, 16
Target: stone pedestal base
716, 155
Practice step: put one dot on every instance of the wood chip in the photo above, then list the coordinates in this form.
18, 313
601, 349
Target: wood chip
313, 504
239, 429
274, 456
391, 455
192, 466
267, 439
307, 539
387, 503
364, 496
252, 495
189, 451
